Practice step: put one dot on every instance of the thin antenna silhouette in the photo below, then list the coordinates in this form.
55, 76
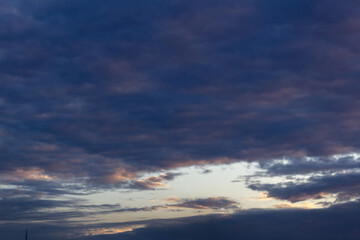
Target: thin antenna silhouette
26, 234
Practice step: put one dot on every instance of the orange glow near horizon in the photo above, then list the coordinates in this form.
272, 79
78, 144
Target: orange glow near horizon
105, 231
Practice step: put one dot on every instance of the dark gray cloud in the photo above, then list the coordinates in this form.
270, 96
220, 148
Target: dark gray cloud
152, 183
103, 91
345, 184
150, 86
27, 208
305, 166
325, 224
211, 203
30, 209
208, 203
331, 223
309, 178
206, 171
35, 188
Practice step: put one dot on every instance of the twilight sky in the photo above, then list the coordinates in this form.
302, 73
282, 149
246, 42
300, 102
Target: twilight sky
174, 119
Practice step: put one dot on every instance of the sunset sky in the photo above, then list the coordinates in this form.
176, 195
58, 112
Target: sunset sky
180, 120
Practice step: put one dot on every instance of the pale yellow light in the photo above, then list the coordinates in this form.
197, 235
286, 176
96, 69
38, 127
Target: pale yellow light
103, 231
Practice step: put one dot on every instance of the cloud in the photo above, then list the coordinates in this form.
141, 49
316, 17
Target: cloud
304, 178
211, 203
208, 203
31, 209
122, 229
330, 223
310, 165
97, 85
26, 207
280, 224
152, 183
344, 184
94, 94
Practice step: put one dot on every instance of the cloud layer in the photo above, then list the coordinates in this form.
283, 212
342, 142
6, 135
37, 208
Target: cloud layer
331, 223
91, 87
310, 178
116, 94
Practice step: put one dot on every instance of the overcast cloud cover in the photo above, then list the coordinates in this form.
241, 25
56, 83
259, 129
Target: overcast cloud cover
94, 95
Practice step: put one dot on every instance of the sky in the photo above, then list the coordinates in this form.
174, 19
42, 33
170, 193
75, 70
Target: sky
203, 119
